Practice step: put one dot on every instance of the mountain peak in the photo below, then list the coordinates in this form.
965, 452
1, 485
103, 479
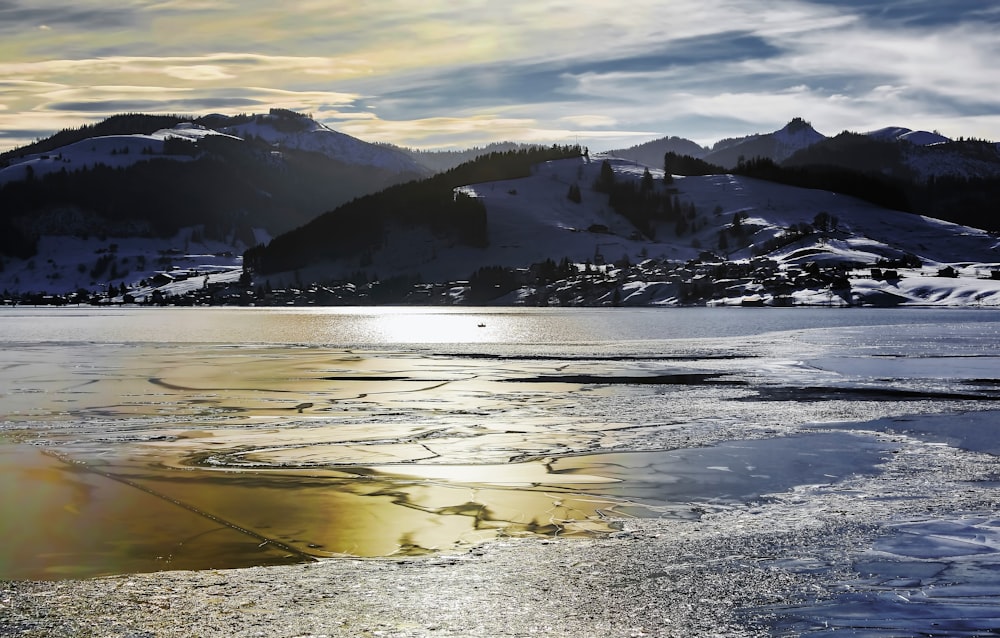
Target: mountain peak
779, 145
797, 124
799, 131
796, 135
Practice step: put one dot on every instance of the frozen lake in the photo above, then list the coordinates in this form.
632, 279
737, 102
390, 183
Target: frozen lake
148, 439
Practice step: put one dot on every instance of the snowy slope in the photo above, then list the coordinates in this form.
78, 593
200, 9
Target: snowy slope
532, 219
865, 232
901, 133
67, 264
923, 138
281, 129
962, 159
114, 151
286, 130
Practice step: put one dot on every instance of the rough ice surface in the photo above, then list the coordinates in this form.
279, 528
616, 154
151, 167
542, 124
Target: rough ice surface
896, 533
923, 577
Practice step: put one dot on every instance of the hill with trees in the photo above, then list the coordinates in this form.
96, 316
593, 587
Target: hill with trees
137, 175
357, 228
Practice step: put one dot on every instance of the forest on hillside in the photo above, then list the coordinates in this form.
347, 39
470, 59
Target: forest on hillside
226, 185
970, 201
874, 171
357, 228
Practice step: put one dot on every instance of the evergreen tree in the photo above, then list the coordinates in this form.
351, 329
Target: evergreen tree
646, 184
681, 227
606, 180
574, 194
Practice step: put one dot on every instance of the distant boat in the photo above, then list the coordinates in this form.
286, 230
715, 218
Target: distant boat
481, 325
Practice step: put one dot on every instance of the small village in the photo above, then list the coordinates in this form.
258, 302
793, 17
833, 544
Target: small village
709, 280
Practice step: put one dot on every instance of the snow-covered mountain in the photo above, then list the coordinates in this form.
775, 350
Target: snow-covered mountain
113, 151
903, 154
279, 129
289, 130
903, 134
635, 237
894, 150
778, 146
239, 178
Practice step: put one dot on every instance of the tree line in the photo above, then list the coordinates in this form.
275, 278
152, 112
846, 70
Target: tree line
971, 201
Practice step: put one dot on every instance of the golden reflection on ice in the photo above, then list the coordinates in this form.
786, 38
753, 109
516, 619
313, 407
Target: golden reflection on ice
526, 474
260, 454
59, 520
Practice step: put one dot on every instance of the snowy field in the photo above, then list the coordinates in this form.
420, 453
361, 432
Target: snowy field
845, 460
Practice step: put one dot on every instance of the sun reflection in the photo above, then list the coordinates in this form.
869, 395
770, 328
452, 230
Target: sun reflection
394, 325
511, 474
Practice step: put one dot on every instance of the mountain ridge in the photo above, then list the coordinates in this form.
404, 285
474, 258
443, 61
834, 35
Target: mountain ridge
488, 227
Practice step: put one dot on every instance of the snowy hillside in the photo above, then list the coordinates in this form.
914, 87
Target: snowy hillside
282, 130
967, 159
779, 145
66, 265
777, 231
741, 241
532, 218
288, 130
900, 133
228, 179
114, 151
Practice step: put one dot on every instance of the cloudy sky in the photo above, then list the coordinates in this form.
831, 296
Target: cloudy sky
465, 72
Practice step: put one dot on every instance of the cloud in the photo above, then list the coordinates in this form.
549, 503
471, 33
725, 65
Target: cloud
531, 70
589, 121
16, 16
119, 99
916, 13
188, 5
229, 65
463, 132
199, 72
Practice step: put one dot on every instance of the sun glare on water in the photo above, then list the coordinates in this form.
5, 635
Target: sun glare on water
404, 326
